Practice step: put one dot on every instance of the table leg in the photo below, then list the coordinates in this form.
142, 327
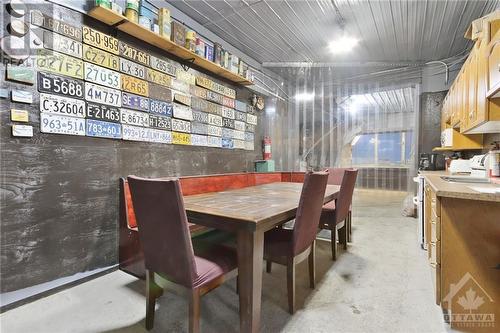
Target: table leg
250, 257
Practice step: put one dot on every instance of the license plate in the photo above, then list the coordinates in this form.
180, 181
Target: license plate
218, 88
163, 66
239, 144
227, 112
161, 107
204, 82
214, 120
201, 117
56, 62
180, 86
214, 130
102, 76
240, 135
104, 129
227, 133
157, 91
241, 116
198, 92
181, 138
228, 123
135, 102
59, 124
240, 106
251, 119
158, 77
134, 54
250, 109
183, 99
199, 140
160, 122
231, 93
60, 85
181, 125
199, 104
62, 105
186, 77
134, 133
100, 40
227, 143
214, 141
239, 125
131, 68
62, 44
249, 127
183, 112
249, 145
102, 95
199, 128
103, 112
249, 136
229, 102
136, 118
101, 58
135, 85
214, 97
214, 108
42, 20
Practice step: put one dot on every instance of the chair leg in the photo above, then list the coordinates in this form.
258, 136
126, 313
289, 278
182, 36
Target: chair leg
349, 227
194, 312
312, 268
269, 264
343, 236
153, 291
237, 284
334, 242
290, 279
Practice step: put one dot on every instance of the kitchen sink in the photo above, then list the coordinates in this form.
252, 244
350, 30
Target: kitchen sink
465, 179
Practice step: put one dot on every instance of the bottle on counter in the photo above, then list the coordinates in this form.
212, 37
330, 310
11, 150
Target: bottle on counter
494, 168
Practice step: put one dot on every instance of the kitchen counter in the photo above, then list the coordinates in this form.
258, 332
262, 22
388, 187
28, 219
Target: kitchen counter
444, 188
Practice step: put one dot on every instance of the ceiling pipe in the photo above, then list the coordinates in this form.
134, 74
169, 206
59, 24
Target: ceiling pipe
445, 66
299, 64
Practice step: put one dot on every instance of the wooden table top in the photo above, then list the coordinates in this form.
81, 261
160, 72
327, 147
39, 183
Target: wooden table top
253, 207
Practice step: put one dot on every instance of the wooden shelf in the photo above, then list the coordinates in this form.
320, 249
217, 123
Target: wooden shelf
111, 18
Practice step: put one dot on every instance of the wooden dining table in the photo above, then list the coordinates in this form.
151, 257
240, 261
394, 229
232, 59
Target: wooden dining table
249, 212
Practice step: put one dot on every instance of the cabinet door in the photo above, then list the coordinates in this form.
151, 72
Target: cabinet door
472, 118
494, 64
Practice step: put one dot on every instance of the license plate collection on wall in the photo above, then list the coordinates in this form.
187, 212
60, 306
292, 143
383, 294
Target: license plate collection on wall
92, 84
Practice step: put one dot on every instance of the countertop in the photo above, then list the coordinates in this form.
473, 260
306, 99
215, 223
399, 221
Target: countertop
458, 190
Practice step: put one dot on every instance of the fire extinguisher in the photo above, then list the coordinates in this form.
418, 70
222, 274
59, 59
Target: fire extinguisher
266, 143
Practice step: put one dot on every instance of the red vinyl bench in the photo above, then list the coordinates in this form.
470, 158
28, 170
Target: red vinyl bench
130, 256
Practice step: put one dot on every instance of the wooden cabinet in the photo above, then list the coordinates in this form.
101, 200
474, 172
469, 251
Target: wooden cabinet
432, 229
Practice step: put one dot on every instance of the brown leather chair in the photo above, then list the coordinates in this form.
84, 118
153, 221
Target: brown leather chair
289, 247
335, 213
168, 251
335, 178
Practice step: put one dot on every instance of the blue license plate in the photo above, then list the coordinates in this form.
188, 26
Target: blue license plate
160, 107
227, 143
104, 129
135, 102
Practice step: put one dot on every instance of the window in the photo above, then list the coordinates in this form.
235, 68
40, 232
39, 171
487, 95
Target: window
383, 149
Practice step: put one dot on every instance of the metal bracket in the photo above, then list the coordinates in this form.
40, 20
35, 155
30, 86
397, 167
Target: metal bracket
186, 64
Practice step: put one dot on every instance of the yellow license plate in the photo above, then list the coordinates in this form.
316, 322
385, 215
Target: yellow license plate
204, 82
135, 85
101, 58
181, 138
55, 62
159, 77
100, 40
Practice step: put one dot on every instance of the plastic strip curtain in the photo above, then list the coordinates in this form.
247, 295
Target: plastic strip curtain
370, 125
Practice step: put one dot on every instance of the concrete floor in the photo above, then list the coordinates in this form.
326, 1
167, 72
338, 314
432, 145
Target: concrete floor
381, 284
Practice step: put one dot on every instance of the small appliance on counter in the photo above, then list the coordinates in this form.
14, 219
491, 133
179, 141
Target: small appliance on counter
432, 161
479, 165
460, 166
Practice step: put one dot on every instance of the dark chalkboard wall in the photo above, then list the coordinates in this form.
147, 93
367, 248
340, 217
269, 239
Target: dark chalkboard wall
59, 194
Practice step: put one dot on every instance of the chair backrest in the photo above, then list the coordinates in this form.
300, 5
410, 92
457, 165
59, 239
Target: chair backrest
335, 175
344, 199
309, 210
163, 228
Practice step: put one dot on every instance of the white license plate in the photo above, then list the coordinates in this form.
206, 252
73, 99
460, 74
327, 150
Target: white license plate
249, 145
181, 126
163, 66
59, 124
62, 44
214, 120
227, 133
134, 133
199, 140
239, 125
227, 112
62, 105
131, 68
136, 118
251, 119
103, 76
214, 141
103, 95
214, 130
183, 112
239, 135
249, 136
180, 86
239, 144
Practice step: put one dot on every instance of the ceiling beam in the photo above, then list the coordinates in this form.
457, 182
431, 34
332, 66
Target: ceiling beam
298, 64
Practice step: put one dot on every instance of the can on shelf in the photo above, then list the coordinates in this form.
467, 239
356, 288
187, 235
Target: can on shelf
103, 3
132, 10
145, 22
226, 59
217, 53
200, 47
209, 52
164, 22
191, 40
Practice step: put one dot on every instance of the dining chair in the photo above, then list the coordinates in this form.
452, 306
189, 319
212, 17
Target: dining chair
335, 213
335, 178
291, 246
168, 251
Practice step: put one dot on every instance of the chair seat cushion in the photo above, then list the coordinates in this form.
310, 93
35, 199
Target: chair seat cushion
278, 243
213, 262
